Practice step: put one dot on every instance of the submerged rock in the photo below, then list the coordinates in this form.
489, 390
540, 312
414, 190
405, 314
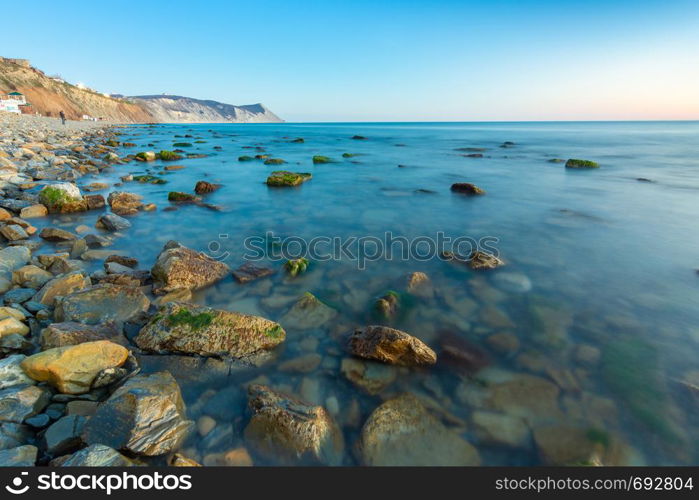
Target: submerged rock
387, 307
401, 432
288, 431
308, 312
101, 303
391, 346
179, 267
250, 272
112, 222
145, 416
371, 376
466, 188
296, 266
483, 260
190, 329
72, 369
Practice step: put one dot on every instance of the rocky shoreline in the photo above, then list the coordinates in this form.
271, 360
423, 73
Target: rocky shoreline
92, 360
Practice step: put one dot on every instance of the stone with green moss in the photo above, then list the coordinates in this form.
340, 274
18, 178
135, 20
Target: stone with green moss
348, 155
321, 159
181, 328
179, 197
575, 163
182, 145
298, 140
274, 161
283, 178
62, 198
296, 266
245, 158
199, 142
145, 156
165, 155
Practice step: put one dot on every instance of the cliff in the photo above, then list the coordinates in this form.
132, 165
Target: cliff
175, 109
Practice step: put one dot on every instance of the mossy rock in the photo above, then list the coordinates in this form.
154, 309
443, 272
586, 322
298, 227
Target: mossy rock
321, 159
245, 158
179, 197
112, 143
348, 155
165, 155
274, 161
556, 160
359, 138
145, 156
182, 145
575, 163
149, 179
59, 201
261, 157
298, 140
296, 266
199, 142
283, 178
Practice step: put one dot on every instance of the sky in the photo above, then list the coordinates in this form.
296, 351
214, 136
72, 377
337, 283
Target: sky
380, 60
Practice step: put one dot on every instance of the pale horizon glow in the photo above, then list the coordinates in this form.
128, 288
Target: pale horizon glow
382, 60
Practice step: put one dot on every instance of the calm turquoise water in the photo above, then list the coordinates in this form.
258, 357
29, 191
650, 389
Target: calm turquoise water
611, 261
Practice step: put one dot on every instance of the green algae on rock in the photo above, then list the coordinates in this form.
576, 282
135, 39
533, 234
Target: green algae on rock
321, 159
283, 178
165, 155
274, 161
182, 328
245, 158
575, 163
296, 266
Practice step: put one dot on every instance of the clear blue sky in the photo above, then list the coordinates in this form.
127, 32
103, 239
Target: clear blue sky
380, 59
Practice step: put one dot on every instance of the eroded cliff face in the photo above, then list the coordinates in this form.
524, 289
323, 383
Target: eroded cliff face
48, 96
174, 109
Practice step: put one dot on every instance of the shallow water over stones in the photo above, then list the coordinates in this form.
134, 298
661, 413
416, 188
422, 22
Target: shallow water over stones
588, 330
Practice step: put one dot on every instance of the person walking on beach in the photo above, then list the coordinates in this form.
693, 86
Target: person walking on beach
63, 117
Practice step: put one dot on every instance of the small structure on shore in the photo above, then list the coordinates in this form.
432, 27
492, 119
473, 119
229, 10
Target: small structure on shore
12, 102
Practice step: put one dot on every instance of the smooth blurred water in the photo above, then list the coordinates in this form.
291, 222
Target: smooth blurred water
612, 256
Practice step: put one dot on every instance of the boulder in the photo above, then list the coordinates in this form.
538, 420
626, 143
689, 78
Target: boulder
123, 203
21, 402
22, 456
204, 187
72, 369
61, 286
182, 328
283, 178
101, 303
288, 431
466, 188
72, 333
11, 326
12, 258
95, 455
501, 429
419, 284
94, 201
112, 222
63, 436
391, 346
179, 267
33, 211
13, 232
62, 198
483, 260
31, 276
11, 373
56, 234
145, 416
401, 432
